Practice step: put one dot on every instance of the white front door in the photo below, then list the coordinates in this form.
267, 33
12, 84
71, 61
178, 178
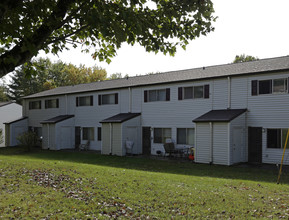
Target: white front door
237, 144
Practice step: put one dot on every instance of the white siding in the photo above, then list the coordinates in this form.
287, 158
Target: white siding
136, 99
105, 137
220, 143
269, 111
274, 156
117, 148
37, 115
220, 93
14, 130
8, 113
64, 134
131, 130
203, 138
239, 92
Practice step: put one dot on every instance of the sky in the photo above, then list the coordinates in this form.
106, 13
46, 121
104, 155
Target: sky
253, 27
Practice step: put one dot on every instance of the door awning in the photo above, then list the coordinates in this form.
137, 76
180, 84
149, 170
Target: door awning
222, 115
56, 119
119, 118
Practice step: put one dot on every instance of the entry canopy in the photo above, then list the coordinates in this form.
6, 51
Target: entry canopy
119, 118
56, 119
222, 115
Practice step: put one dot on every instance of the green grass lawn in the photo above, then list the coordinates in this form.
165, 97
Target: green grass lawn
72, 185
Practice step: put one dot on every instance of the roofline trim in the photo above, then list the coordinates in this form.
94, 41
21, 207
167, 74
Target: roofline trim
169, 82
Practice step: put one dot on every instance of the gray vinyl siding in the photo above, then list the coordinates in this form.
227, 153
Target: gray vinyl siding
203, 150
220, 143
239, 92
136, 99
220, 93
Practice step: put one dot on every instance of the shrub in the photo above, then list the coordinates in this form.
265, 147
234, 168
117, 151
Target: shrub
28, 140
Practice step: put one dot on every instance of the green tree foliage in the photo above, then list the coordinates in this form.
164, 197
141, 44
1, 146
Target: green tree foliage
244, 58
42, 75
3, 93
158, 25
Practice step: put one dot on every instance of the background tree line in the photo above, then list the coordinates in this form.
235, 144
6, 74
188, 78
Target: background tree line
43, 74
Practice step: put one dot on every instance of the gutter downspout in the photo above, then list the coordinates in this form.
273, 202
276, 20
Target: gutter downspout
229, 92
66, 102
129, 100
48, 139
211, 142
110, 138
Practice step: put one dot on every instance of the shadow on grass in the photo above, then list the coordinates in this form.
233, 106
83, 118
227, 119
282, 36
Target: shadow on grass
261, 173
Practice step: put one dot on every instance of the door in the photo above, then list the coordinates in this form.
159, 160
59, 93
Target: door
132, 136
255, 145
65, 139
237, 144
77, 137
146, 140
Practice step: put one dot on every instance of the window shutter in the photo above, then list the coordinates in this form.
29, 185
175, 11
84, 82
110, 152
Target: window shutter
46, 103
168, 94
145, 96
254, 87
116, 98
99, 133
270, 88
99, 99
39, 104
91, 100
57, 103
30, 105
77, 101
180, 93
207, 91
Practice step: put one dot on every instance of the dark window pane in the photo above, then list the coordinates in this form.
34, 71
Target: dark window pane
265, 87
188, 92
157, 135
181, 136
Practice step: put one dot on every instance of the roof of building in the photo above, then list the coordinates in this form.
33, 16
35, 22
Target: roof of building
222, 115
6, 103
56, 119
119, 118
15, 120
233, 69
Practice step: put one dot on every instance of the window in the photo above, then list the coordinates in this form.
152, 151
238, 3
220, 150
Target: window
276, 138
157, 95
99, 133
188, 92
194, 92
161, 134
108, 99
88, 134
265, 87
84, 101
52, 103
35, 105
198, 92
280, 85
186, 136
269, 86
